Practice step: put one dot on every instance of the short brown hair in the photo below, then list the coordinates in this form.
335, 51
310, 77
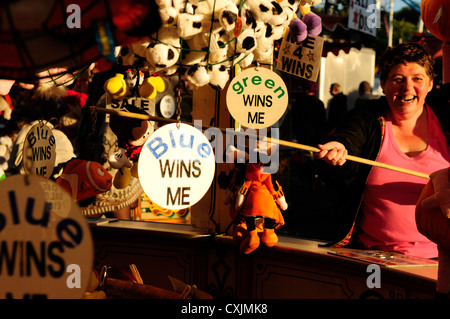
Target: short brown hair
406, 53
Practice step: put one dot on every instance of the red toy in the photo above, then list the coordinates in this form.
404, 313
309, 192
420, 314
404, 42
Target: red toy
83, 179
78, 32
433, 221
436, 18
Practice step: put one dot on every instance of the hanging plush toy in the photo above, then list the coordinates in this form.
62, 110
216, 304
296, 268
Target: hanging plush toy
151, 86
117, 87
433, 221
203, 40
84, 179
131, 135
257, 207
309, 24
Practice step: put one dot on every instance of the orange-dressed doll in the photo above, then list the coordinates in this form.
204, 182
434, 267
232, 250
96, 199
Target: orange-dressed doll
257, 207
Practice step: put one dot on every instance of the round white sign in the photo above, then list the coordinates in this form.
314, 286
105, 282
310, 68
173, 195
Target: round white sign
39, 151
45, 243
257, 98
176, 166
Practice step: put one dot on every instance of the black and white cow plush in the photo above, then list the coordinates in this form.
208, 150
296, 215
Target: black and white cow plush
219, 76
164, 49
204, 39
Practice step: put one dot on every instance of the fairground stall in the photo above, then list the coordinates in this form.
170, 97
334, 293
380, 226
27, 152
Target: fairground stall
137, 132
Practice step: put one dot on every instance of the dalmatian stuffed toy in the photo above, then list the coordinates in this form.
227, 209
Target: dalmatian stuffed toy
203, 40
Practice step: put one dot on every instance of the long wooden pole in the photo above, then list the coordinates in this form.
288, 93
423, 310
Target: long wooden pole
350, 158
267, 139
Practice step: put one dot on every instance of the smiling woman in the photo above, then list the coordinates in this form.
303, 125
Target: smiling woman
399, 129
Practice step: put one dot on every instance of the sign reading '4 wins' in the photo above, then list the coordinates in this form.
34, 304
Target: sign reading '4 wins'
302, 60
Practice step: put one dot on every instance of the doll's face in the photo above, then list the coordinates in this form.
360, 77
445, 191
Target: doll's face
141, 133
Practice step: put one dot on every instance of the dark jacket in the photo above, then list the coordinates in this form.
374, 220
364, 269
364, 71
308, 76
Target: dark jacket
336, 109
361, 131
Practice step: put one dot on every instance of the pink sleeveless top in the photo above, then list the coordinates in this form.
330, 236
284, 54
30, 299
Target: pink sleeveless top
388, 209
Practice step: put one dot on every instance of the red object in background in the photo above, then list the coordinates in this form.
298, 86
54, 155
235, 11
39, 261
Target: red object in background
36, 37
435, 16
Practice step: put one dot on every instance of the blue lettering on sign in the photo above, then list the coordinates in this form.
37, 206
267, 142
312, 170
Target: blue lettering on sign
24, 258
156, 151
158, 148
204, 150
69, 232
29, 217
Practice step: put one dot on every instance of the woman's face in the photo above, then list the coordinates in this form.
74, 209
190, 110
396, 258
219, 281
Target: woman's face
406, 87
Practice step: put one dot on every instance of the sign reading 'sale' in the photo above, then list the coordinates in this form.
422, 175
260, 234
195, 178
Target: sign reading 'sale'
257, 98
176, 166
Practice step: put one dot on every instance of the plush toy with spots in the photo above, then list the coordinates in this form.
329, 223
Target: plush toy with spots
203, 40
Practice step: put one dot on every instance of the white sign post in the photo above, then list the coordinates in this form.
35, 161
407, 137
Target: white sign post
176, 166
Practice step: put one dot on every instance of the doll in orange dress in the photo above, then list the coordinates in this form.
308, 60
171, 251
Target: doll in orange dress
257, 205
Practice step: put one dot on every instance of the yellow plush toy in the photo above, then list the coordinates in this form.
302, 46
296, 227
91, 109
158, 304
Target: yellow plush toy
117, 87
151, 86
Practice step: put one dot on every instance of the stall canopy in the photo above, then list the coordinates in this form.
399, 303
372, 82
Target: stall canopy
340, 37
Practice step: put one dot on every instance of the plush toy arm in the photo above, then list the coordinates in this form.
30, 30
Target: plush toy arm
5, 108
119, 159
281, 200
232, 154
278, 195
240, 196
314, 23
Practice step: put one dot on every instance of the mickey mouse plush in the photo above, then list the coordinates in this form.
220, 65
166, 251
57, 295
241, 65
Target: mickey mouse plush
131, 135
